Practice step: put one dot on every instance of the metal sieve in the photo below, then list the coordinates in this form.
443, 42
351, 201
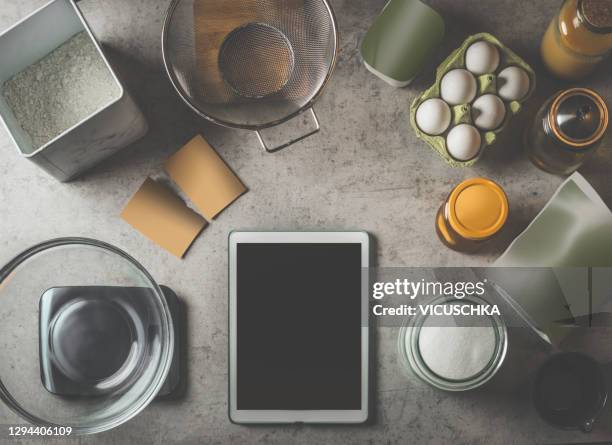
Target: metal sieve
250, 64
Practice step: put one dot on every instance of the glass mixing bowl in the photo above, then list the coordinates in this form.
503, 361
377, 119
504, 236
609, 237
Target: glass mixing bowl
86, 336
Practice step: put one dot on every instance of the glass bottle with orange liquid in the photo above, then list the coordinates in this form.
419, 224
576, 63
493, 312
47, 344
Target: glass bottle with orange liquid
578, 38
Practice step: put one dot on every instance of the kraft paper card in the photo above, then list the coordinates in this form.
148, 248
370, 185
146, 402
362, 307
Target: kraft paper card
204, 177
163, 217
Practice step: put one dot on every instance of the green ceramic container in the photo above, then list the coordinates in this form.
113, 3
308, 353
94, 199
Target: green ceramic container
401, 40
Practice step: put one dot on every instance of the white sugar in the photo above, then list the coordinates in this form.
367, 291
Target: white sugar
457, 352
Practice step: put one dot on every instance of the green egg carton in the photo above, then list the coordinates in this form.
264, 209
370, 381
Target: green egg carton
462, 114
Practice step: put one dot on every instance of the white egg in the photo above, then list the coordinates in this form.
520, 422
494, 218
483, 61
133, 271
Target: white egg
433, 116
512, 83
488, 112
482, 57
463, 142
458, 86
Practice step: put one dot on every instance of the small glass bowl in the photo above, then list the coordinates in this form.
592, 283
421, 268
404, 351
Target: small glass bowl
412, 360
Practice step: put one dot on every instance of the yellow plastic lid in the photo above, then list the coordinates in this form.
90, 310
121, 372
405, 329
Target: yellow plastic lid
477, 208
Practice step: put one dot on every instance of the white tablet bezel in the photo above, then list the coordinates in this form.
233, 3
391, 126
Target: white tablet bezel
296, 416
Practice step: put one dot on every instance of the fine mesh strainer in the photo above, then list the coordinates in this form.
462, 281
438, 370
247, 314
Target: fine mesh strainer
250, 64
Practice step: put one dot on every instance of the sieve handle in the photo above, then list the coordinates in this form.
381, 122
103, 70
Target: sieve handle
292, 141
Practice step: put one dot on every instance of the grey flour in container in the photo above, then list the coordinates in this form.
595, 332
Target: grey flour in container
60, 90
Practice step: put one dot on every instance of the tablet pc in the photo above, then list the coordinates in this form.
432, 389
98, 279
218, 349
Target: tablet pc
298, 327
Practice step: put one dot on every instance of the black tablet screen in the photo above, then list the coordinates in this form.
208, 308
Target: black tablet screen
299, 326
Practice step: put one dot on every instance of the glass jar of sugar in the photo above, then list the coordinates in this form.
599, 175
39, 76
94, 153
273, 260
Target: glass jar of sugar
474, 212
457, 347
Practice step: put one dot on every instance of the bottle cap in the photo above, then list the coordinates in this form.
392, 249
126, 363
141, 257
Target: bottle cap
477, 208
596, 15
578, 117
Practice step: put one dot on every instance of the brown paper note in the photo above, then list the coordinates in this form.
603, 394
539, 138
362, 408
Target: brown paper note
163, 218
199, 171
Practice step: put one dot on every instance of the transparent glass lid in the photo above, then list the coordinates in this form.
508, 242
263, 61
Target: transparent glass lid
86, 335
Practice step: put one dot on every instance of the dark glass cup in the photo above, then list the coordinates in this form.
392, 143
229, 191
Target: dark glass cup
570, 391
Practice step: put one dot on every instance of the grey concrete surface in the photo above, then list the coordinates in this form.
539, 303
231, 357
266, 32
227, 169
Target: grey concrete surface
365, 170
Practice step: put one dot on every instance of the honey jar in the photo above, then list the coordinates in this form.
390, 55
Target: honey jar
578, 38
474, 212
568, 129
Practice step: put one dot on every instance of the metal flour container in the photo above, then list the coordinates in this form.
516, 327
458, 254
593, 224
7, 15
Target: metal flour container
92, 139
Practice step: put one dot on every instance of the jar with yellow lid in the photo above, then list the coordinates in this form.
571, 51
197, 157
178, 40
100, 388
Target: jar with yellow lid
567, 130
578, 38
474, 212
